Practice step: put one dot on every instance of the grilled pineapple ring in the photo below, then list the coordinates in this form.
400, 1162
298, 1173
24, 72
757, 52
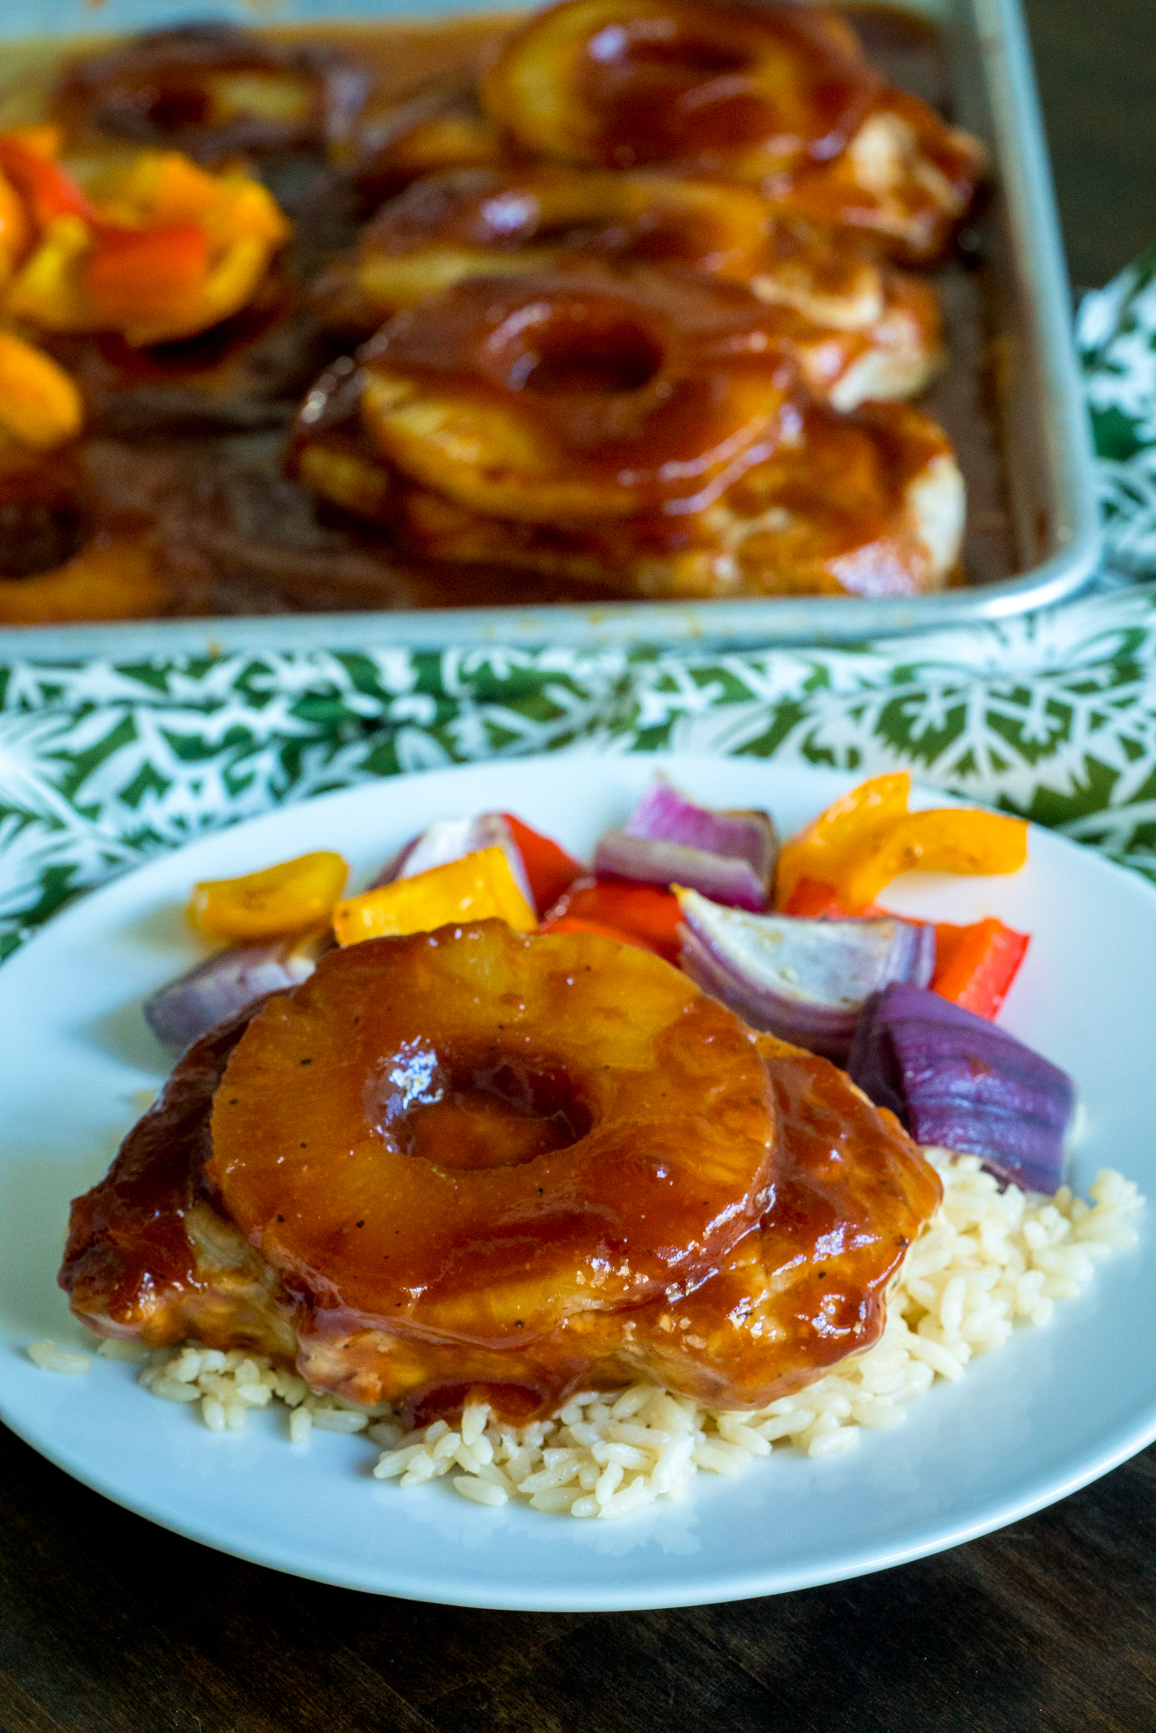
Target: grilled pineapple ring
754, 91
496, 222
476, 1135
578, 395
66, 551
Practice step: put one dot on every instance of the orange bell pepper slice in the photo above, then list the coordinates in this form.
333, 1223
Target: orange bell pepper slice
292, 897
647, 915
40, 405
946, 840
828, 841
975, 966
868, 837
812, 900
134, 274
478, 887
549, 869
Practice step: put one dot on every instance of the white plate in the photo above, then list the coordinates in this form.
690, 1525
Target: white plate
1028, 1423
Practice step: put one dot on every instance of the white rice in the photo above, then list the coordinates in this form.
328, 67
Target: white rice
50, 1358
987, 1261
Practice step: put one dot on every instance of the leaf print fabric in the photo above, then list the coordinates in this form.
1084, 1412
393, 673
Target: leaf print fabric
103, 764
1116, 336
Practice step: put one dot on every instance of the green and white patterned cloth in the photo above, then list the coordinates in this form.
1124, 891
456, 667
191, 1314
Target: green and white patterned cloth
1053, 716
1116, 336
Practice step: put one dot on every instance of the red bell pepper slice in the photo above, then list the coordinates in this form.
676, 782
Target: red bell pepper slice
571, 924
975, 966
42, 184
645, 913
813, 900
135, 273
549, 869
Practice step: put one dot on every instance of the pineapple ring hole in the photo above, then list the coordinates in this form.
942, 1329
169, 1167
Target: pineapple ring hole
577, 346
482, 1111
38, 536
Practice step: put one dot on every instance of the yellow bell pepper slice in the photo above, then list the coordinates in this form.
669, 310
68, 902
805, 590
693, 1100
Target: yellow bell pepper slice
945, 840
162, 249
40, 405
867, 838
291, 897
821, 849
47, 290
477, 887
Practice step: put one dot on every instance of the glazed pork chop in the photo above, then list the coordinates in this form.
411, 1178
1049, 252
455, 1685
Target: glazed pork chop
408, 1209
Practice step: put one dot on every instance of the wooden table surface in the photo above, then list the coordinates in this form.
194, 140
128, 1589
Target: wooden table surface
109, 1625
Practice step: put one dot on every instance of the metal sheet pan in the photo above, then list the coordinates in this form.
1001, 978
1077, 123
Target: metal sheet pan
1049, 476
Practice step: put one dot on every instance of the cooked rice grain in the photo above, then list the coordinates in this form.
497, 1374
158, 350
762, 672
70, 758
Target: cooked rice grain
228, 1384
50, 1358
987, 1260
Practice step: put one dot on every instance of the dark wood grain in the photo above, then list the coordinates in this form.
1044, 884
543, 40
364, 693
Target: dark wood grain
109, 1625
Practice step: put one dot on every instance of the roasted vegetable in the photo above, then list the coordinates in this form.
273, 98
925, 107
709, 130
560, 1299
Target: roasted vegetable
641, 914
226, 983
804, 981
975, 966
868, 837
960, 1082
474, 888
728, 855
156, 250
295, 896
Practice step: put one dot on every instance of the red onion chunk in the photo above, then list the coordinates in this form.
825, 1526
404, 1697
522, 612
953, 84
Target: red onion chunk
225, 984
804, 981
956, 1080
728, 854
448, 839
666, 814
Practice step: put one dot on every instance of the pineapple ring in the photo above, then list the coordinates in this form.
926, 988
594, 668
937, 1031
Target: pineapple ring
491, 222
486, 1142
438, 128
622, 83
585, 395
784, 1306
64, 553
856, 330
870, 504
215, 91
